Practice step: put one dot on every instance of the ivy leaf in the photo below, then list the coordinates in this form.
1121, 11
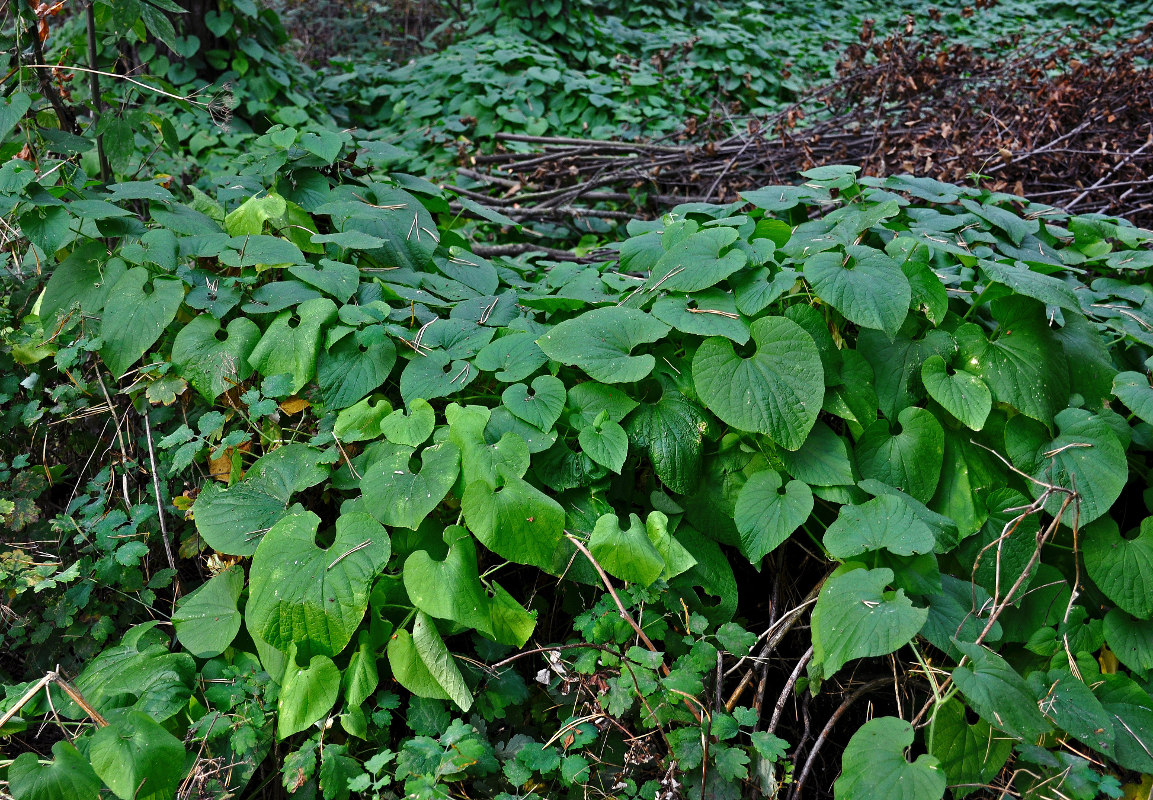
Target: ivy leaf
138, 309
136, 758
291, 343
695, 262
206, 621
1122, 567
961, 393
312, 597
411, 429
627, 554
306, 693
233, 520
543, 408
605, 443
355, 366
874, 765
856, 618
422, 664
211, 364
778, 391
996, 692
883, 523
600, 341
400, 498
865, 285
68, 777
972, 754
516, 521
671, 432
766, 516
909, 460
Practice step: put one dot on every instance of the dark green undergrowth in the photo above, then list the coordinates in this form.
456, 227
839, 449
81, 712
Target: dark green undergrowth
840, 489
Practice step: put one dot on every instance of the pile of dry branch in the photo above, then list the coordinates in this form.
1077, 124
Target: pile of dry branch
1062, 120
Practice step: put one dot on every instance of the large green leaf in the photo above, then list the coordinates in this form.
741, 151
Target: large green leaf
823, 460
206, 621
516, 521
959, 610
1122, 567
482, 460
1070, 704
310, 596
1025, 365
1130, 708
1022, 280
695, 262
233, 520
291, 343
1130, 639
211, 364
136, 758
969, 754
909, 460
422, 664
874, 765
1133, 389
600, 341
68, 777
139, 674
855, 617
397, 218
606, 443
996, 692
355, 366
1085, 456
671, 432
766, 516
398, 497
82, 280
896, 362
864, 284
542, 408
306, 693
708, 313
410, 429
883, 523
138, 309
627, 554
961, 393
449, 589
778, 391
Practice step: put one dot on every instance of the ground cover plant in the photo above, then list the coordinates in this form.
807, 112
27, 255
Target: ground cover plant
836, 489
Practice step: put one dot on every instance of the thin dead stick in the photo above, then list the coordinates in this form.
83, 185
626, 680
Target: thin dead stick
788, 688
119, 438
160, 504
625, 614
67, 688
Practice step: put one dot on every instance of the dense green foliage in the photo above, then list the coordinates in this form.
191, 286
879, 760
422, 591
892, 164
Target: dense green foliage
297, 487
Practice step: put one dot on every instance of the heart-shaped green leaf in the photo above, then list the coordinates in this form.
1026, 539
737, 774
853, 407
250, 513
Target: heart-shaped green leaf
411, 429
864, 284
480, 459
962, 394
1122, 567
708, 313
206, 621
766, 516
627, 554
136, 758
909, 460
400, 498
1070, 705
600, 341
312, 597
68, 777
513, 357
516, 521
211, 364
355, 366
855, 617
696, 263
1131, 639
1133, 389
672, 433
969, 754
996, 692
605, 443
875, 766
434, 374
543, 407
292, 341
883, 523
778, 391
361, 421
306, 693
449, 589
138, 309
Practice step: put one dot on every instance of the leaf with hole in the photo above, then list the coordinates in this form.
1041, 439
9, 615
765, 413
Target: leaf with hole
138, 309
214, 359
998, 693
875, 766
626, 553
542, 408
410, 429
306, 693
516, 521
961, 393
909, 460
291, 343
696, 263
